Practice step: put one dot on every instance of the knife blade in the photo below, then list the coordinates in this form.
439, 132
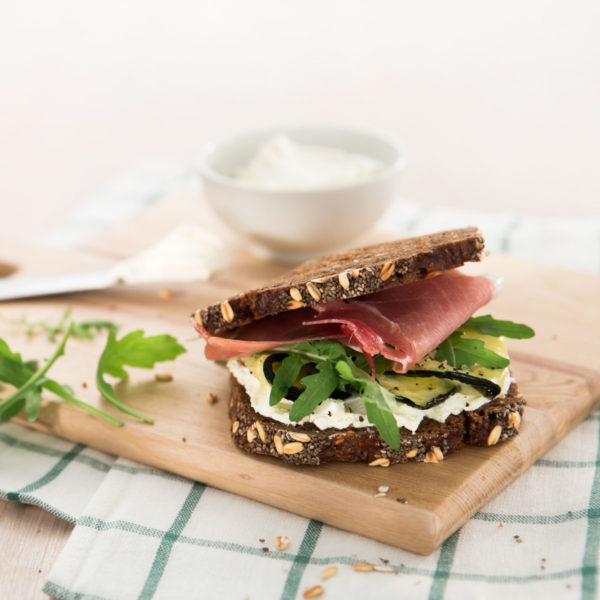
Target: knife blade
28, 286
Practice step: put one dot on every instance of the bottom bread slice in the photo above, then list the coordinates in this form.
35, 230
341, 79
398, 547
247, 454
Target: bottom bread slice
494, 422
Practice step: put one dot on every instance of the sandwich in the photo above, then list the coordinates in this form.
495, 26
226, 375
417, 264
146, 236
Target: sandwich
371, 354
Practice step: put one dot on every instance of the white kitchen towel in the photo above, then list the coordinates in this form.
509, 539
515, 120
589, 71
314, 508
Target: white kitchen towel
144, 533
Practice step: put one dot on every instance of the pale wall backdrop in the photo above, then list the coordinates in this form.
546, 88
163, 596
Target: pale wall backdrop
497, 103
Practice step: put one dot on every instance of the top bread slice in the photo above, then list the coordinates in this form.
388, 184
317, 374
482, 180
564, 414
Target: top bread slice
346, 275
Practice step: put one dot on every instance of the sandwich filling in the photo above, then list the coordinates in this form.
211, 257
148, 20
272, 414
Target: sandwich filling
386, 359
432, 389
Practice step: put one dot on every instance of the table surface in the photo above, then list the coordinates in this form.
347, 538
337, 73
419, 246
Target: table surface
34, 537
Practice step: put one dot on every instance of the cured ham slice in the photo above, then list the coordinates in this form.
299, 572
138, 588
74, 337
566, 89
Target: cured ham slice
413, 319
267, 333
402, 323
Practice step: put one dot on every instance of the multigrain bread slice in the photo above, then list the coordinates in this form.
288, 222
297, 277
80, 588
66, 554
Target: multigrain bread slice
494, 422
347, 275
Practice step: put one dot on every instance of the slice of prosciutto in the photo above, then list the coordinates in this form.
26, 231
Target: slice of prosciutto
402, 323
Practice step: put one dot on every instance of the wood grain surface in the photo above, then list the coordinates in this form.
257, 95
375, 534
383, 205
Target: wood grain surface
557, 372
31, 541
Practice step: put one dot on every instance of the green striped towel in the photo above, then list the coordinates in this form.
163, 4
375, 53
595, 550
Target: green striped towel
144, 533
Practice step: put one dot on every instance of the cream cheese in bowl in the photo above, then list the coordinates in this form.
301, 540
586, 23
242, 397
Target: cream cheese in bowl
284, 164
298, 192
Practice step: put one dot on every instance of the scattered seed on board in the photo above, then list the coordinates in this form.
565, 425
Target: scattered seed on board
384, 569
383, 489
212, 398
282, 542
329, 572
313, 592
163, 377
380, 462
362, 567
165, 294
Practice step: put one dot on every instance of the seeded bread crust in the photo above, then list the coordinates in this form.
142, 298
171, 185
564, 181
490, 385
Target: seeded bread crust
307, 445
346, 275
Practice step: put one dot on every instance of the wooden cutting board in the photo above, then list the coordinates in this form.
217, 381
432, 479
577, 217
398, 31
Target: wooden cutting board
557, 372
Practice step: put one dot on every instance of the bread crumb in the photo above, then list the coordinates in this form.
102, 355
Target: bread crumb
329, 572
282, 542
313, 592
163, 377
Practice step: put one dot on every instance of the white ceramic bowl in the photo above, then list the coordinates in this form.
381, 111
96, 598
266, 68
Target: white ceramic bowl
300, 224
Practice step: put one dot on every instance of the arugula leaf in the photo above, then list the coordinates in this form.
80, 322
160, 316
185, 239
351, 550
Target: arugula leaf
33, 402
87, 330
318, 350
285, 377
460, 351
378, 402
28, 390
445, 352
10, 410
133, 350
486, 324
319, 387
81, 330
381, 363
351, 368
16, 372
12, 368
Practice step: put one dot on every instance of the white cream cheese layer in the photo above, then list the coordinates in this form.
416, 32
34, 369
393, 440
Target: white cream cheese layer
284, 164
340, 414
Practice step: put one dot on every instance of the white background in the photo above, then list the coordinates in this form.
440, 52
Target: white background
497, 103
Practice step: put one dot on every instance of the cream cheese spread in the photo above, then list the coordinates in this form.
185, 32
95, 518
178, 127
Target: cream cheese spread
283, 164
188, 253
340, 414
